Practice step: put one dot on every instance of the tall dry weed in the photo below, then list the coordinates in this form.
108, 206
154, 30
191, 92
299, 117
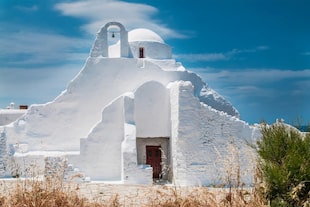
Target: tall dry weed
53, 191
234, 192
49, 193
36, 192
182, 197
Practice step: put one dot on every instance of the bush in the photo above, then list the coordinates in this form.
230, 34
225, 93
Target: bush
284, 154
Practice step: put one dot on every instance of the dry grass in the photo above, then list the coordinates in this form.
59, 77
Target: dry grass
172, 196
52, 193
47, 193
205, 197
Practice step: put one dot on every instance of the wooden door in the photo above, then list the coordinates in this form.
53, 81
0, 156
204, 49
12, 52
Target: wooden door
153, 158
141, 52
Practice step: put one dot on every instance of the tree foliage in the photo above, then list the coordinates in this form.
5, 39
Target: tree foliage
284, 154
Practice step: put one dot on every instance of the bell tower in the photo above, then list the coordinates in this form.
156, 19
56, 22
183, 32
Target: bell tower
101, 47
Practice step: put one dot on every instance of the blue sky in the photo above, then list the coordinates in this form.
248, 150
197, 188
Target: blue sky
255, 53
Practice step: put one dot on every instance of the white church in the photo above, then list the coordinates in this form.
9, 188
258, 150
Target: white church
132, 115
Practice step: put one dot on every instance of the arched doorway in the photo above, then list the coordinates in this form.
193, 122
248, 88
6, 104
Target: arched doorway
153, 128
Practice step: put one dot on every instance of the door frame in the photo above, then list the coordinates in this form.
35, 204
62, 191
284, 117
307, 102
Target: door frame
154, 159
164, 142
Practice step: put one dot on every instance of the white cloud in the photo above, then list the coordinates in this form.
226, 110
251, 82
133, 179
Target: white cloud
264, 83
99, 12
245, 91
224, 56
27, 9
207, 57
35, 84
27, 47
252, 75
251, 50
262, 47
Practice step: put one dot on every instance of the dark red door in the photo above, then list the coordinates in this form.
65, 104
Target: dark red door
141, 52
153, 158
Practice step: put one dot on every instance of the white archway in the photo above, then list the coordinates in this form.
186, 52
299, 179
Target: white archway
101, 47
152, 110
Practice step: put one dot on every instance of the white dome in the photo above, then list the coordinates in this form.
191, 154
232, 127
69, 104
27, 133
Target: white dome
144, 35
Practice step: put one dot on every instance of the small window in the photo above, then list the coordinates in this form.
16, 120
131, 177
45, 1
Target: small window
141, 52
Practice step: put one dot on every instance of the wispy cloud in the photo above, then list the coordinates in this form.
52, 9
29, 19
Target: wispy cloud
28, 48
264, 93
252, 75
206, 57
22, 84
251, 50
212, 57
99, 12
27, 9
258, 82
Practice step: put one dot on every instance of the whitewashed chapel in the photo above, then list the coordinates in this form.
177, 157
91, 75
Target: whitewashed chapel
131, 115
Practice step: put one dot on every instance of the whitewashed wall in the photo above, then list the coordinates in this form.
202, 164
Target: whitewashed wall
93, 107
109, 153
101, 151
79, 107
152, 110
154, 50
9, 115
202, 138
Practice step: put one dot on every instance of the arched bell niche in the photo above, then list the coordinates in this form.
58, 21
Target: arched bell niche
101, 46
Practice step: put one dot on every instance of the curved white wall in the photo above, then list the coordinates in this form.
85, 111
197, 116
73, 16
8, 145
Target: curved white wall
152, 110
154, 50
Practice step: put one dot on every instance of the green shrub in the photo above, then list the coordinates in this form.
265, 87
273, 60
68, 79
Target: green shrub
284, 154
